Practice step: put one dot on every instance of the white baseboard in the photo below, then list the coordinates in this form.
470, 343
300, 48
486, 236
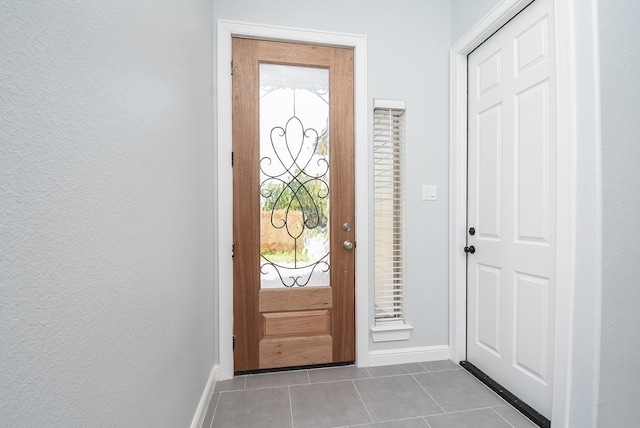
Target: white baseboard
408, 355
201, 411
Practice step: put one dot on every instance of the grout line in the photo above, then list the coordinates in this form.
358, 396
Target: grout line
494, 411
367, 369
425, 367
396, 374
361, 400
424, 418
320, 382
468, 410
445, 370
290, 405
215, 410
308, 382
276, 386
425, 390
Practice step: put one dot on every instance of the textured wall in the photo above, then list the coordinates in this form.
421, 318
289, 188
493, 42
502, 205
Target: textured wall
408, 59
465, 14
620, 61
106, 300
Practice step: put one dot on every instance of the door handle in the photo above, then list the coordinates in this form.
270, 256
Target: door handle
471, 249
347, 245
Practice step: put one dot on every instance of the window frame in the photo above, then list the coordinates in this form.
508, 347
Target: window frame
389, 171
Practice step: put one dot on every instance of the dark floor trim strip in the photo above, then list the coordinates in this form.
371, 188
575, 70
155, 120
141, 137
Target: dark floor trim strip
519, 405
282, 369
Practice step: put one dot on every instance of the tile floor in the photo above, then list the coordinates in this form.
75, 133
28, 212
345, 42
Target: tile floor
429, 395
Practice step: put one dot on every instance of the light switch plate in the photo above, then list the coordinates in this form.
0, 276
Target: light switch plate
429, 192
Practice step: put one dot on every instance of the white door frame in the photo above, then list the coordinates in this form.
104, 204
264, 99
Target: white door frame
491, 23
224, 190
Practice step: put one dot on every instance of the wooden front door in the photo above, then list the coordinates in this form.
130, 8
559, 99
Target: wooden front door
293, 221
512, 206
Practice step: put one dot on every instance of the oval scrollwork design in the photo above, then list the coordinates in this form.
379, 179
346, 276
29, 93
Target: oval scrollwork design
295, 199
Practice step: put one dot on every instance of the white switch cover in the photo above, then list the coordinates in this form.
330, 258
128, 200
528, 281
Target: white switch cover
429, 192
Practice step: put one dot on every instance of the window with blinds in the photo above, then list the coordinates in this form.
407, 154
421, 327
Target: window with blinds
388, 183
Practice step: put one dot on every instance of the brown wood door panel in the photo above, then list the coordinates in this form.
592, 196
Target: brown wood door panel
282, 299
295, 326
295, 351
294, 323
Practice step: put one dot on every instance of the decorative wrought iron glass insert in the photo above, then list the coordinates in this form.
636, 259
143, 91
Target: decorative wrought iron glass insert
294, 176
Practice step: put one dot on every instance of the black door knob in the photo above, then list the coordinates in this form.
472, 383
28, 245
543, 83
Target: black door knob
470, 249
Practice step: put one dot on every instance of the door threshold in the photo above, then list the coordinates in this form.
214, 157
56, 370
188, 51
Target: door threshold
292, 368
506, 395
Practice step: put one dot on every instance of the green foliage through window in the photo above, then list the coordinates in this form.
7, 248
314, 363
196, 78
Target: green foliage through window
309, 195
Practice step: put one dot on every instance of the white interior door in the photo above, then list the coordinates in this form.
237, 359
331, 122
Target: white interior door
512, 205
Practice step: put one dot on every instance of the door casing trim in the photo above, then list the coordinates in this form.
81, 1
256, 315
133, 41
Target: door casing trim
224, 191
491, 23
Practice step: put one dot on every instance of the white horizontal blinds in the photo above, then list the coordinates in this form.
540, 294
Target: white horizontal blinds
388, 160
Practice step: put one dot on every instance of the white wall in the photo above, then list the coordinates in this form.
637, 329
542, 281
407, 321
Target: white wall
106, 295
619, 65
408, 46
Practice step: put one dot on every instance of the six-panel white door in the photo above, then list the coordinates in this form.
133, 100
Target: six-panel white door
512, 191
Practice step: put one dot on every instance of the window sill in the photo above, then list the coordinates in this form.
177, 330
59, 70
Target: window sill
391, 332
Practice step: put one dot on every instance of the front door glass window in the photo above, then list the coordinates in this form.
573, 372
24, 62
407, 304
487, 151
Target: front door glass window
294, 176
